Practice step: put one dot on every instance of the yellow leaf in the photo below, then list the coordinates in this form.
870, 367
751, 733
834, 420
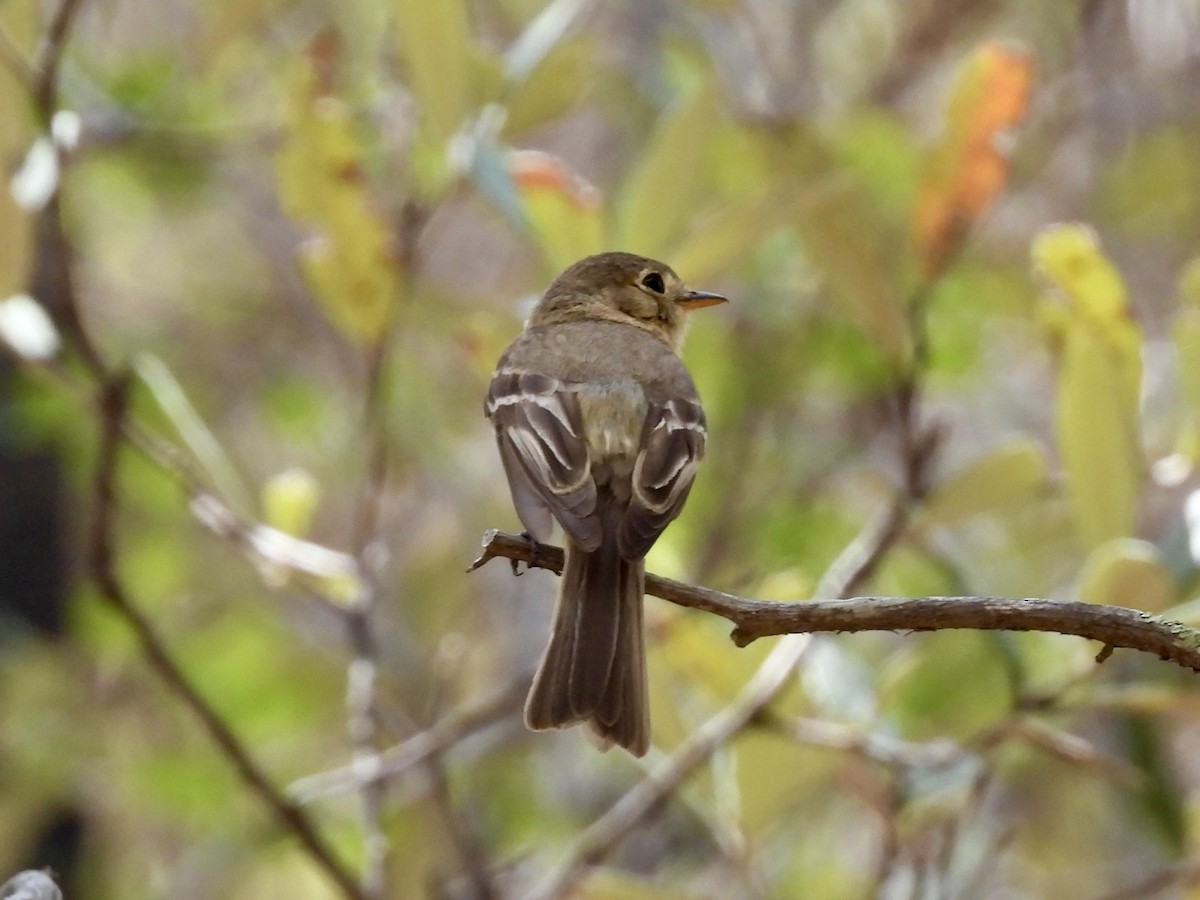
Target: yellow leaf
1070, 259
968, 166
1099, 381
1127, 572
1069, 256
1010, 473
1053, 321
563, 210
1189, 283
435, 44
289, 501
664, 190
347, 258
1185, 334
1097, 436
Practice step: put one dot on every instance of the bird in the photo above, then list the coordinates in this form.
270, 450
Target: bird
600, 429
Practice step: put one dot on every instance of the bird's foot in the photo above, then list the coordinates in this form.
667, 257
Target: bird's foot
534, 546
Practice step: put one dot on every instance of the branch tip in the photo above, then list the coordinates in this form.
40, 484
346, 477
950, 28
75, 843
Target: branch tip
741, 637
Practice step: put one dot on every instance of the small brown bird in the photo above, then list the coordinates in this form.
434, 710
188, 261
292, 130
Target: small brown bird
600, 428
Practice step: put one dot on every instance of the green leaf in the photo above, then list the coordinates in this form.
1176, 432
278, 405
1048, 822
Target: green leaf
858, 259
721, 239
435, 44
553, 87
1127, 572
948, 684
664, 190
1153, 189
1009, 474
879, 148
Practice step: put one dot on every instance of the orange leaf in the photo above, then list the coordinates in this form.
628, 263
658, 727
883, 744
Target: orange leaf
969, 164
563, 211
533, 170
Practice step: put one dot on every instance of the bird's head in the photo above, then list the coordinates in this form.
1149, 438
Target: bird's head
622, 287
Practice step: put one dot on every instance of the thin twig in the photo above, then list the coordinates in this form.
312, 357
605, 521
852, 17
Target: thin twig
49, 56
1117, 626
475, 863
52, 281
644, 797
362, 676
773, 675
881, 749
362, 695
111, 409
395, 761
52, 276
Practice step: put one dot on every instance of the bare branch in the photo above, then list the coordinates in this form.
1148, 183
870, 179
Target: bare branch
604, 834
49, 56
852, 566
111, 408
52, 281
362, 678
1113, 626
416, 750
877, 748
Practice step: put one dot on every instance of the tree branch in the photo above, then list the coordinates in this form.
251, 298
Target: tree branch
852, 566
52, 282
417, 750
49, 55
363, 673
1113, 626
111, 410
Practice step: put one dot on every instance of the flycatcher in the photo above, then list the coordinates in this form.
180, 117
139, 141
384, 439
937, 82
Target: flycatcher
601, 429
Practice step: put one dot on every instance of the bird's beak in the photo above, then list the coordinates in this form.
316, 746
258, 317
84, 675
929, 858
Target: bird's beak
701, 299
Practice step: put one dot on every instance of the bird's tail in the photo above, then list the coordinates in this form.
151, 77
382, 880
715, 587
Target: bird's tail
594, 669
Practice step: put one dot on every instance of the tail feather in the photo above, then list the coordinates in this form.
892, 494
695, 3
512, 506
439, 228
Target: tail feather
623, 716
595, 581
549, 702
594, 668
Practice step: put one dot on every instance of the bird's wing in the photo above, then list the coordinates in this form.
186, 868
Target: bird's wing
540, 432
672, 447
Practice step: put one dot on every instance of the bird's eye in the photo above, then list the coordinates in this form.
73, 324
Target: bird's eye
654, 282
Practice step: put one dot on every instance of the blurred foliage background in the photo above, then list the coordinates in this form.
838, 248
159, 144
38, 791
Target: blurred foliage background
309, 229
